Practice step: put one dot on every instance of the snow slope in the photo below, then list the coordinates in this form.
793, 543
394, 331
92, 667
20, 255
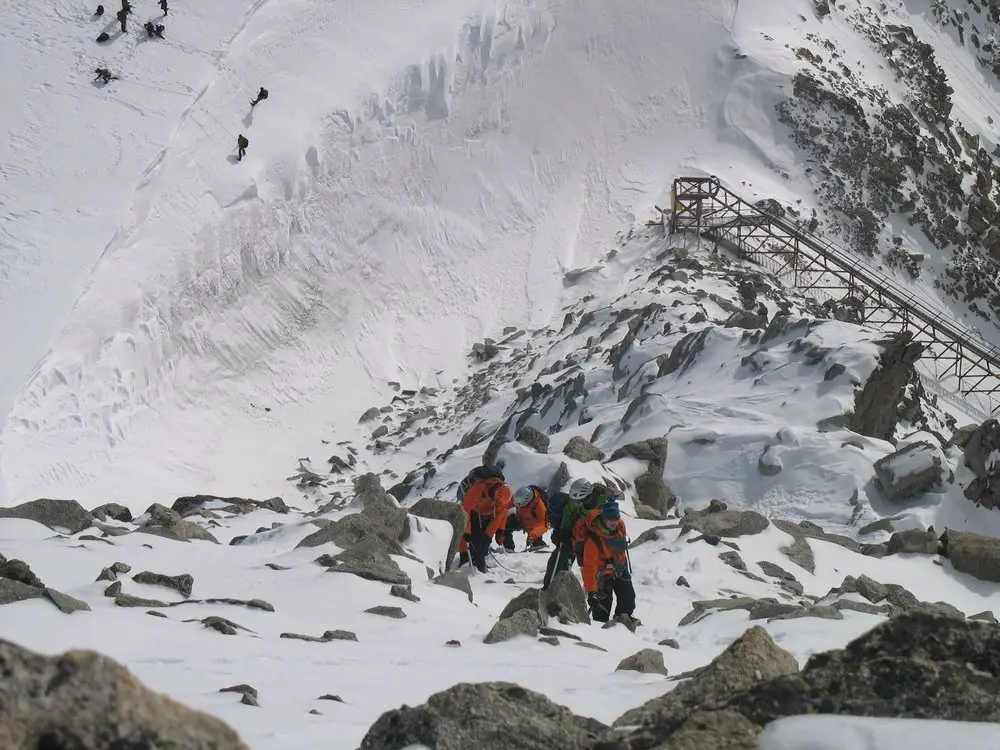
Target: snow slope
422, 174
73, 152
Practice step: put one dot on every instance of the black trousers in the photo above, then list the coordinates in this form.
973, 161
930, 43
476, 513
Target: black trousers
560, 559
478, 542
623, 591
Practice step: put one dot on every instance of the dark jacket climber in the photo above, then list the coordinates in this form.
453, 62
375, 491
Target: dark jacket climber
150, 29
100, 11
103, 74
126, 7
261, 96
163, 6
241, 146
122, 16
158, 30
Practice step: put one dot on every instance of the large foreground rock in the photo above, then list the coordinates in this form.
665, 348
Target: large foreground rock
876, 405
916, 665
749, 659
494, 715
59, 515
565, 598
81, 700
443, 510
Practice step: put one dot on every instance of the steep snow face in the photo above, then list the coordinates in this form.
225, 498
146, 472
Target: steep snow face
421, 173
74, 150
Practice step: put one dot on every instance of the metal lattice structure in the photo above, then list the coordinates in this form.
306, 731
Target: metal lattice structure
965, 365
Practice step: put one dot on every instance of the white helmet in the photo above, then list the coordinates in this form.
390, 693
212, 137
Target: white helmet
580, 489
523, 496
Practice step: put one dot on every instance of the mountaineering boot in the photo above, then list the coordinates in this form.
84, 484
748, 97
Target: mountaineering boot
537, 544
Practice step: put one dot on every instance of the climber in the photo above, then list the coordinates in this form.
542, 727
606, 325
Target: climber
150, 29
605, 566
585, 498
100, 11
529, 515
103, 74
486, 502
261, 96
163, 6
562, 557
158, 30
241, 146
122, 15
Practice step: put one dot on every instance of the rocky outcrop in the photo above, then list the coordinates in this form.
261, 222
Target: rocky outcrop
981, 448
381, 525
718, 520
85, 701
442, 510
910, 472
876, 405
651, 490
161, 521
494, 715
66, 516
192, 504
457, 581
529, 599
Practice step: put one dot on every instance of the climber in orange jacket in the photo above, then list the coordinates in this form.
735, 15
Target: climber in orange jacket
530, 515
605, 566
486, 504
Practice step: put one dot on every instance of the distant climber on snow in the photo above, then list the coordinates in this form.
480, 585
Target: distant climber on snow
530, 515
103, 74
261, 96
241, 146
126, 7
605, 566
485, 497
122, 16
100, 11
163, 6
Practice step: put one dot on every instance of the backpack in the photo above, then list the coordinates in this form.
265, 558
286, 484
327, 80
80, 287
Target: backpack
478, 474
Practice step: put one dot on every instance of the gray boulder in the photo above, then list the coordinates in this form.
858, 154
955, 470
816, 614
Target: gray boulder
18, 570
654, 493
85, 701
182, 583
913, 541
522, 622
494, 715
910, 472
704, 607
647, 661
66, 516
457, 581
365, 562
529, 599
443, 510
112, 511
717, 520
581, 449
977, 555
167, 523
565, 598
14, 591
534, 439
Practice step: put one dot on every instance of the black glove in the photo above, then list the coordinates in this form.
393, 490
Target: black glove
593, 600
557, 536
